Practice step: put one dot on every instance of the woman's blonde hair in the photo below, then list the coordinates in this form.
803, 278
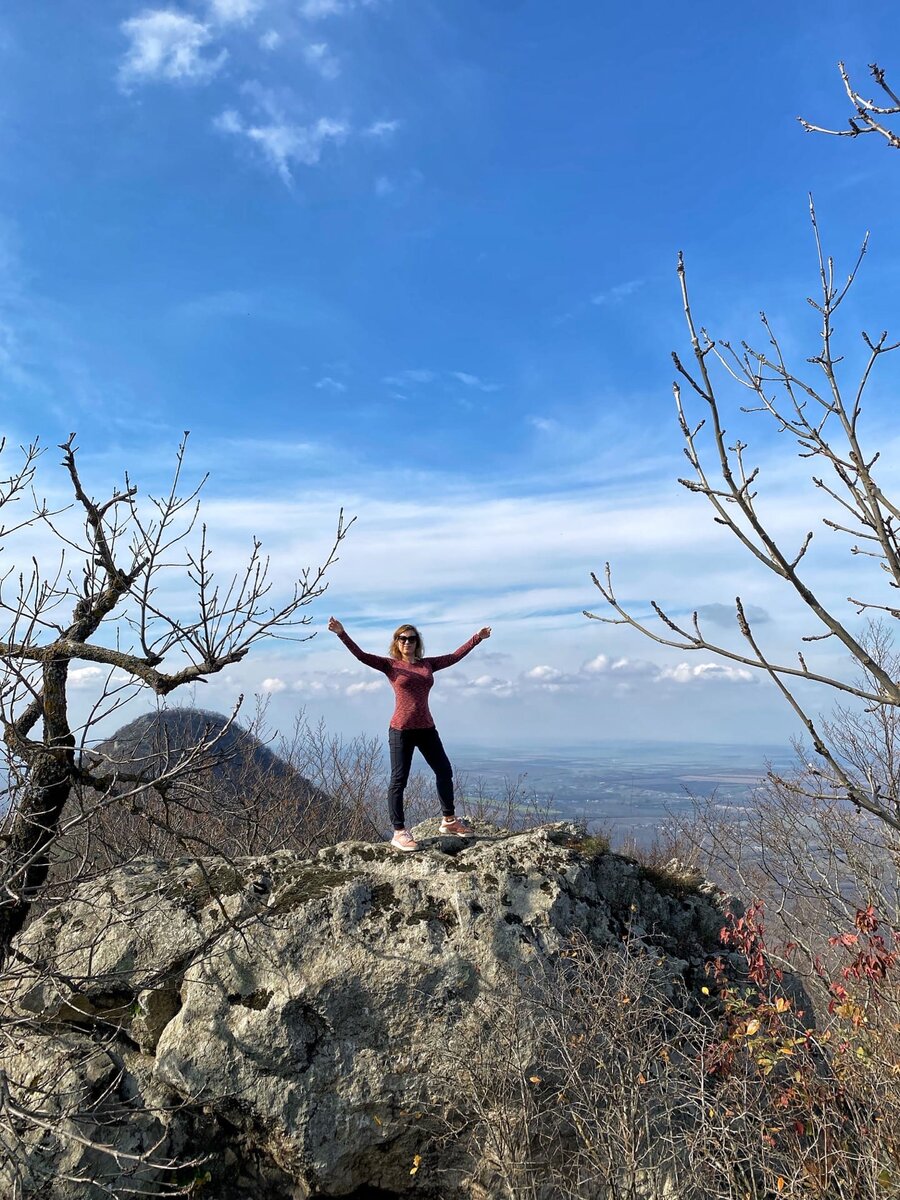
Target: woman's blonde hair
394, 651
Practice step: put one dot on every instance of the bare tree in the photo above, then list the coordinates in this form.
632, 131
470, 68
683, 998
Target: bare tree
822, 412
870, 117
814, 865
133, 594
823, 416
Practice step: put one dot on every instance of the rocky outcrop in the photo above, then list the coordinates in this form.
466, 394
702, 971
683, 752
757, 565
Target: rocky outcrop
280, 1028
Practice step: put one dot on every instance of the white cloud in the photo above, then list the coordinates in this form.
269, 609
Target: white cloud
543, 424
168, 46
400, 188
322, 60
84, 677
544, 674
473, 381
313, 686
453, 554
229, 122
550, 679
620, 667
381, 129
283, 143
628, 666
229, 12
273, 686
618, 293
359, 689
655, 673
326, 383
597, 665
403, 378
700, 672
490, 684
165, 44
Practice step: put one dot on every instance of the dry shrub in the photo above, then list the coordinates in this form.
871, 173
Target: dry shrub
508, 804
604, 1078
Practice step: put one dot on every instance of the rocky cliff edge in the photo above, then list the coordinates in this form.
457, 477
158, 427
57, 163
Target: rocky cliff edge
278, 1027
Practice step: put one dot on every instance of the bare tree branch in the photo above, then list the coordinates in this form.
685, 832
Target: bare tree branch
869, 116
823, 417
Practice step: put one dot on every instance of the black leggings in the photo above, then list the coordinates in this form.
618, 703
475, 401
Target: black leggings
427, 741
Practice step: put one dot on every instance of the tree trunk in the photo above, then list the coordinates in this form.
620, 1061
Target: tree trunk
26, 860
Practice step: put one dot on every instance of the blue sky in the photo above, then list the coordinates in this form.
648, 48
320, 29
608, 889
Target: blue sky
416, 259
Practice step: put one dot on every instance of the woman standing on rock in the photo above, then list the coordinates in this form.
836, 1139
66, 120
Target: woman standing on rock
412, 727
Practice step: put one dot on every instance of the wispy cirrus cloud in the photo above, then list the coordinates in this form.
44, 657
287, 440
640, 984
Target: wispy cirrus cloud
618, 292
401, 187
543, 424
381, 129
423, 376
282, 143
168, 46
328, 384
416, 375
177, 47
607, 298
473, 381
240, 12
321, 59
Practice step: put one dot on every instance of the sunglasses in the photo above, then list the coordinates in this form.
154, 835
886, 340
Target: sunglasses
408, 637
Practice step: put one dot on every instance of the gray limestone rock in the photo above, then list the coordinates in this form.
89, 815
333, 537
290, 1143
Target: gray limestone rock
281, 1026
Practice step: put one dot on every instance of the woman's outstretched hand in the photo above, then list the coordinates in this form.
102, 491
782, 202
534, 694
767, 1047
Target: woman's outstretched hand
336, 627
484, 633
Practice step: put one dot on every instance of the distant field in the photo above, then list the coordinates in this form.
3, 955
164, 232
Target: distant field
627, 788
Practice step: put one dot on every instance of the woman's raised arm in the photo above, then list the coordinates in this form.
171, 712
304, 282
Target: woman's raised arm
447, 660
370, 660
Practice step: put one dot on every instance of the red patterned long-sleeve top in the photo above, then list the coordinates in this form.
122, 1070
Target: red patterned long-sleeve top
411, 681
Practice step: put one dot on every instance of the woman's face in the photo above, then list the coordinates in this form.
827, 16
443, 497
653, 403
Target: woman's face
408, 644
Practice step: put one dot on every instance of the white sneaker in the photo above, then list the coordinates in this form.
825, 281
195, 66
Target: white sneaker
457, 827
402, 840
